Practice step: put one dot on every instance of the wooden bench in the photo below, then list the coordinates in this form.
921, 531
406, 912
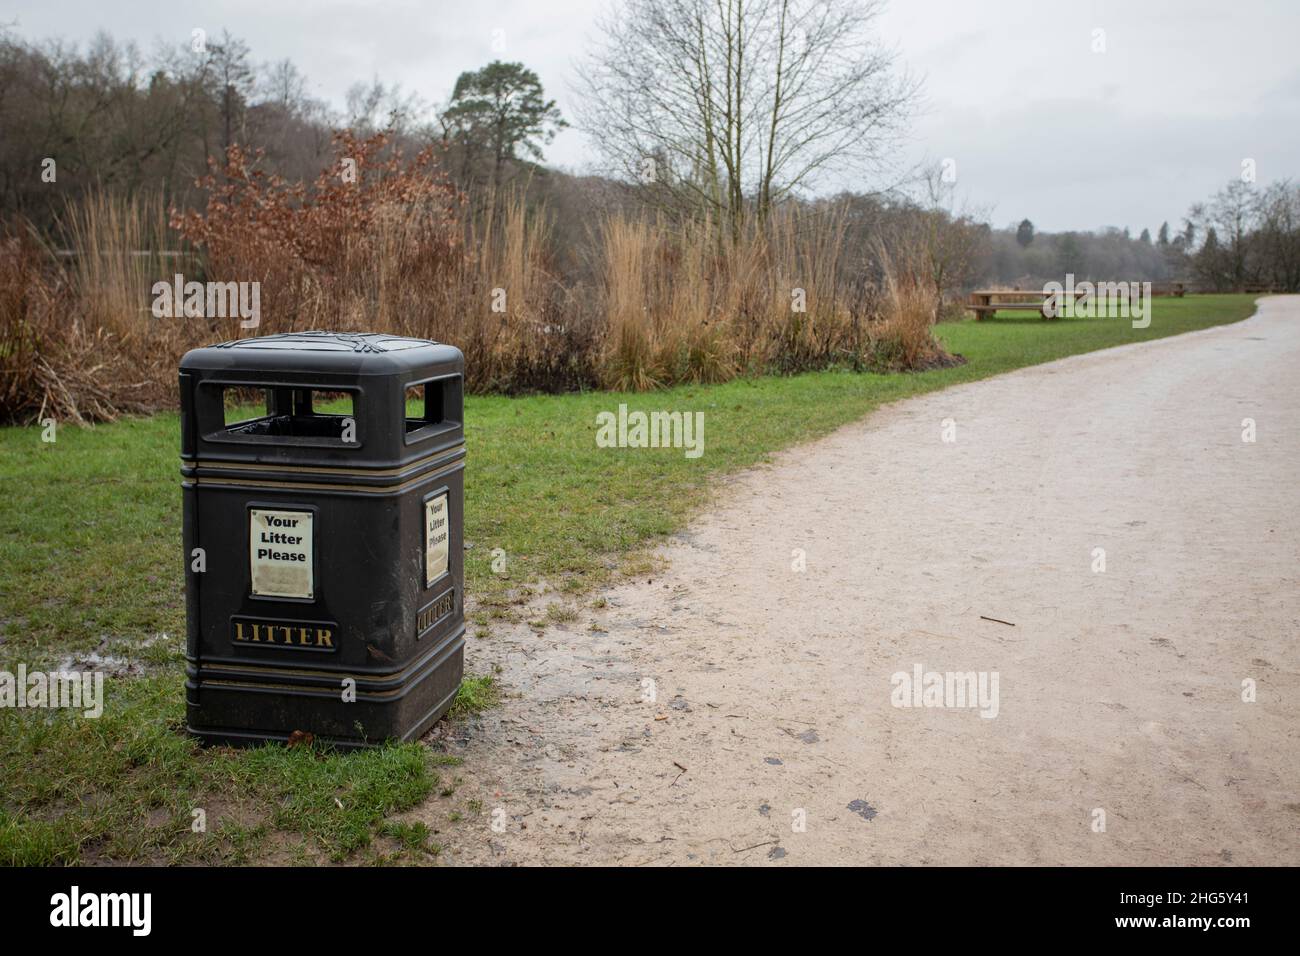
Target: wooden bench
988, 301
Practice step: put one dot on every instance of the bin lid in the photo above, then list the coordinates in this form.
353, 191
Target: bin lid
369, 353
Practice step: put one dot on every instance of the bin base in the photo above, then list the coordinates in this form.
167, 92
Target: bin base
272, 710
223, 737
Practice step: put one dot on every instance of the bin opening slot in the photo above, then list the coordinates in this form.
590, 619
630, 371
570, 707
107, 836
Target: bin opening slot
426, 404
242, 404
287, 412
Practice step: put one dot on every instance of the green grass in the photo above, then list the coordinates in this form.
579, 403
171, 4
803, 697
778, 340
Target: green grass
126, 787
90, 551
476, 694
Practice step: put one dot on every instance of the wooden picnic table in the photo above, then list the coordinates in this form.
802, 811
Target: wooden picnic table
1012, 300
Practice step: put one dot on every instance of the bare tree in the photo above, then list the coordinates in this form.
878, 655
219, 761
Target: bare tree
1278, 239
377, 106
726, 105
948, 240
234, 82
1231, 214
293, 127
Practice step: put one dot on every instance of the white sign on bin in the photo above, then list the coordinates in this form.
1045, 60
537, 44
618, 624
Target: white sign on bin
280, 552
437, 539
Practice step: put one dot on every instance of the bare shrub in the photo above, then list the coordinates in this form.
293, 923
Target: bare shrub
393, 251
330, 252
54, 363
902, 334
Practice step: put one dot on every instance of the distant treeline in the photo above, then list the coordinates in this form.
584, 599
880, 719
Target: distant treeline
1245, 237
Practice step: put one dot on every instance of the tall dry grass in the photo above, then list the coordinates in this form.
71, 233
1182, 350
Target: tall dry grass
120, 245
901, 336
684, 304
77, 339
505, 308
671, 303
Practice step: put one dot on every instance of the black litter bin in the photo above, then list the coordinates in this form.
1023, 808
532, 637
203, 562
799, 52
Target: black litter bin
323, 536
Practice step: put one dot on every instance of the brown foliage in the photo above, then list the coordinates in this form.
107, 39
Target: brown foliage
325, 252
902, 333
53, 362
395, 251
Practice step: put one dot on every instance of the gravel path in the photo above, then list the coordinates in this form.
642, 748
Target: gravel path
1119, 691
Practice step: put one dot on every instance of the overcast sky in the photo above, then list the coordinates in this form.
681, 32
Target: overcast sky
1038, 124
